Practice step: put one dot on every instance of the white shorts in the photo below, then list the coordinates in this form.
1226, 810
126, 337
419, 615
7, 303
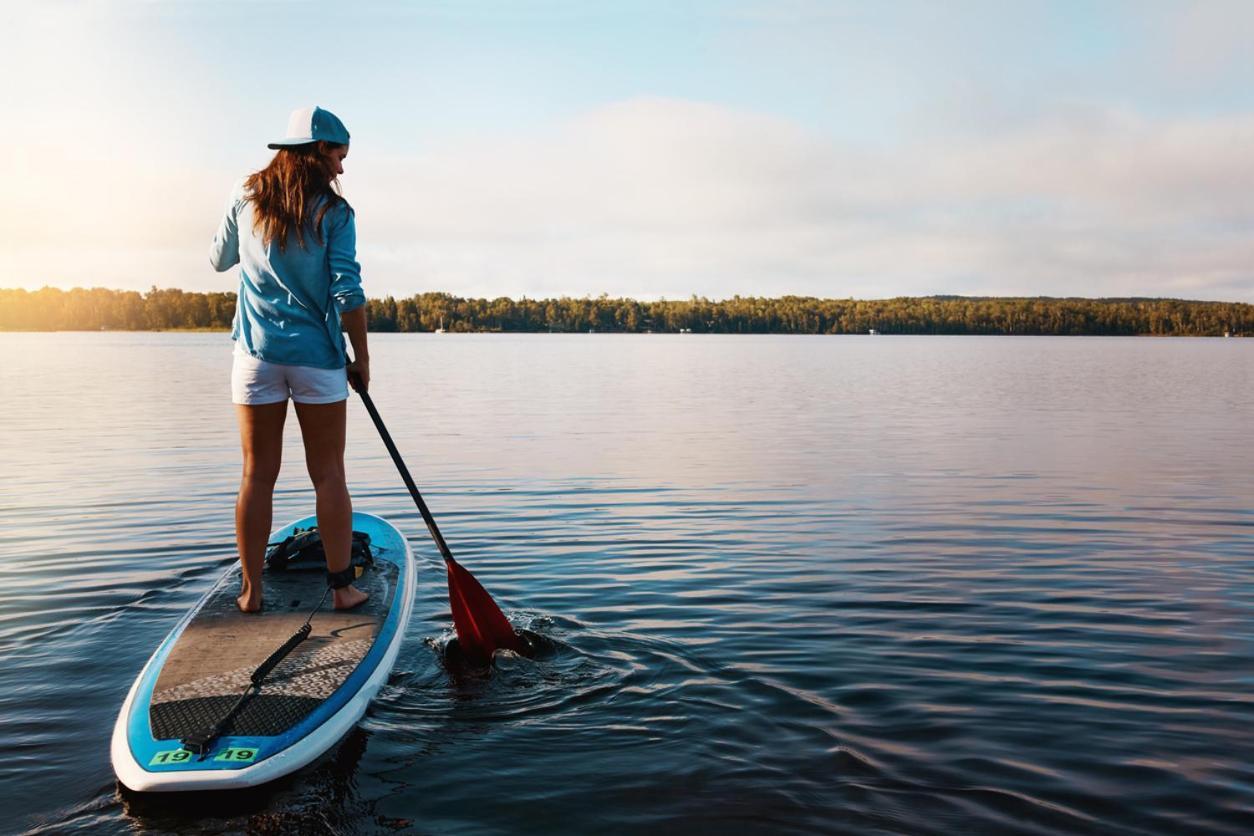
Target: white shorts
255, 381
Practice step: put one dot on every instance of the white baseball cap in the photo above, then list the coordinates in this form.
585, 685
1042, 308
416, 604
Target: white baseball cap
311, 124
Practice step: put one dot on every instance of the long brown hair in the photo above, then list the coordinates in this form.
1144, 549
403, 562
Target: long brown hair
286, 192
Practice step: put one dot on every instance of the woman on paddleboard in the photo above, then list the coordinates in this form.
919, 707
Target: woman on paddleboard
295, 240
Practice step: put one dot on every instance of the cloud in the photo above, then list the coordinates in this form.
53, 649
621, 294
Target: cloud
665, 197
656, 197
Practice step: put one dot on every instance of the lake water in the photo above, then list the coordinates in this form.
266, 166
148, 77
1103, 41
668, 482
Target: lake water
797, 584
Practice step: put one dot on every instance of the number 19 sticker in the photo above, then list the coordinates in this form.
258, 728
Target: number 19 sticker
237, 754
170, 756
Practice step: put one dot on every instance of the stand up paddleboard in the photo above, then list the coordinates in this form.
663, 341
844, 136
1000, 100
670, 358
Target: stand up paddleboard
304, 705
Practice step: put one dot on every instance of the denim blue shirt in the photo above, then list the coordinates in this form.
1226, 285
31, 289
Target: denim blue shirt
289, 304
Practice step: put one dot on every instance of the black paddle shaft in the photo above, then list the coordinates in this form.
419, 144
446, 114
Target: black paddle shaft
409, 480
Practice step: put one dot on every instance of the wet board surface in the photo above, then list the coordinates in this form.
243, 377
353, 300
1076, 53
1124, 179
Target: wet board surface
303, 706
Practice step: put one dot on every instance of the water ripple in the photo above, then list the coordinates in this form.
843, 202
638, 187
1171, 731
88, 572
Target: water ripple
783, 585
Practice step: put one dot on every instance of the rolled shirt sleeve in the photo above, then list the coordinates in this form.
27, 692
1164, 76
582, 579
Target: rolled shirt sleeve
224, 251
342, 260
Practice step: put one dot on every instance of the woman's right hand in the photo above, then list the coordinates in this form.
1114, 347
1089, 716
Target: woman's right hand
359, 374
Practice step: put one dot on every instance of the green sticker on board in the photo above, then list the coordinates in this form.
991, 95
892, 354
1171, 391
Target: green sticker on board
237, 754
170, 756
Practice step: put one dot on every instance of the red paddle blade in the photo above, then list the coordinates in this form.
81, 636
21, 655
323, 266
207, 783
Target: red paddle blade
481, 626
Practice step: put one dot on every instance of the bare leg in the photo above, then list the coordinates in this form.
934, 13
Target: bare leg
322, 428
261, 437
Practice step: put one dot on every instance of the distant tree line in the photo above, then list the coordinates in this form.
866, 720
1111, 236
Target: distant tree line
51, 309
98, 309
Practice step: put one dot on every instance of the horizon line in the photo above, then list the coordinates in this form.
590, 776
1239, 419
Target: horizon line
693, 297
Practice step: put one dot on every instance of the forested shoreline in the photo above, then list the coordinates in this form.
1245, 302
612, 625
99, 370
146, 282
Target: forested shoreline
51, 309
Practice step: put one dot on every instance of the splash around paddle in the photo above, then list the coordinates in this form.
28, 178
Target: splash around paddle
460, 663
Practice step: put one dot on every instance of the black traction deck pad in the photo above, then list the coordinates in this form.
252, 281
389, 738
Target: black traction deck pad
209, 666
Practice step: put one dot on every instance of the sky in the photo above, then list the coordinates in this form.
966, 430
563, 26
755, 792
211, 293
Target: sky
652, 150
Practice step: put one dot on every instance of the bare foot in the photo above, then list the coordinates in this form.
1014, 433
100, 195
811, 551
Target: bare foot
248, 602
348, 597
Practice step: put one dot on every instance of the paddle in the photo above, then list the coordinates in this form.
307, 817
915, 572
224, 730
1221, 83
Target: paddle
481, 626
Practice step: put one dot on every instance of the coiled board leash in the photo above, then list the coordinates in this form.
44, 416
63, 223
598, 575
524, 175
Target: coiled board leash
200, 742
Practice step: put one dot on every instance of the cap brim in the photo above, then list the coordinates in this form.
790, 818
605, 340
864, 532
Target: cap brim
287, 143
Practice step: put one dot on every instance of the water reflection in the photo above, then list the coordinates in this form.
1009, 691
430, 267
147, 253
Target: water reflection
904, 585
